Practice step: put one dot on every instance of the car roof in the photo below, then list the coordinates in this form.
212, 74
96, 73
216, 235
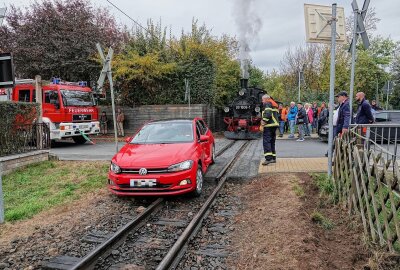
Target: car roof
388, 111
177, 120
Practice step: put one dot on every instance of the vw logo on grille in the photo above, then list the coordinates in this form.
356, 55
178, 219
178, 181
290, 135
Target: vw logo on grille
142, 171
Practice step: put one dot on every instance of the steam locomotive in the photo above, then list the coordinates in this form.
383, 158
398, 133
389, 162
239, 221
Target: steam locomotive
243, 115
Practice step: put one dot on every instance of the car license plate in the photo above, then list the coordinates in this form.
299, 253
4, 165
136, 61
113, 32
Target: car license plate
143, 182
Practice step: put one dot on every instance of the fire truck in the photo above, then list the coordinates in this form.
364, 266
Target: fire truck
68, 108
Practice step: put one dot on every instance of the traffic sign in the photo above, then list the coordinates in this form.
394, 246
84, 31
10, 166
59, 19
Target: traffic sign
360, 17
318, 24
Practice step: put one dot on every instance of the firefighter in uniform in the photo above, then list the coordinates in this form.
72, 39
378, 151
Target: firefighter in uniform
270, 124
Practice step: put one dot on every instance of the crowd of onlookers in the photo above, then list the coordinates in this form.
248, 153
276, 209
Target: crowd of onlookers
308, 118
305, 118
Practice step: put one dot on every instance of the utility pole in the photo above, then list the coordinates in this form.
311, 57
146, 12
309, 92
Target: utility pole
39, 99
332, 88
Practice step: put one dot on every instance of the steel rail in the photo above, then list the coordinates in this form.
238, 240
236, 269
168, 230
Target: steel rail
173, 256
223, 149
90, 260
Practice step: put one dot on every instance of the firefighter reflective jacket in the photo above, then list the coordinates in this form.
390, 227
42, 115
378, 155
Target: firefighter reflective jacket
270, 114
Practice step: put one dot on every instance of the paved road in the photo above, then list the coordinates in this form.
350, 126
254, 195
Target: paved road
66, 150
105, 150
308, 148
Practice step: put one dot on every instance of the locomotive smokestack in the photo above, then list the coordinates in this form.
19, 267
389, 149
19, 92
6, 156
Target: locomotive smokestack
243, 83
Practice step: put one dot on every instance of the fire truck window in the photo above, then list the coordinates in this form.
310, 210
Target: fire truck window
24, 95
51, 97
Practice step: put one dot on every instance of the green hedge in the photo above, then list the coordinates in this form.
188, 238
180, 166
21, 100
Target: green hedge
16, 126
18, 112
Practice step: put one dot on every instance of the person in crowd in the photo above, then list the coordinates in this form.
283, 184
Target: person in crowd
120, 122
375, 106
282, 119
322, 117
270, 124
292, 118
315, 116
103, 123
364, 113
286, 122
301, 120
308, 126
343, 120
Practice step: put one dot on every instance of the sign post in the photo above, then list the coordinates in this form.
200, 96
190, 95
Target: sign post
2, 14
187, 93
319, 20
358, 29
106, 71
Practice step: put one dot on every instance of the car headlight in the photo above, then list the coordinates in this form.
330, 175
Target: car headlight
226, 109
115, 168
185, 165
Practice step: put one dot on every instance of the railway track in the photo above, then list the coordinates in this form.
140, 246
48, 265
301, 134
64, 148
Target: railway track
157, 238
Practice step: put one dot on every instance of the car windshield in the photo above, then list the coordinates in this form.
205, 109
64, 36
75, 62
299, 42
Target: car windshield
164, 132
77, 98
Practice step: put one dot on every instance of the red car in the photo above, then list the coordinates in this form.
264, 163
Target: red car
166, 157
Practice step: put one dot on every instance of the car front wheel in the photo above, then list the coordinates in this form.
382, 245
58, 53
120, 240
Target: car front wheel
199, 182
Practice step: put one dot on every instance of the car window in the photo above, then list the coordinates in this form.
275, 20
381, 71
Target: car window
395, 116
198, 130
382, 117
203, 126
164, 132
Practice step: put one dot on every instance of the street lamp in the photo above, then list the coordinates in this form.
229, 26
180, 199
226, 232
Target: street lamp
301, 78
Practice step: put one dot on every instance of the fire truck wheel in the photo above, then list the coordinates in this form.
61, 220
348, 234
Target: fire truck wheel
79, 139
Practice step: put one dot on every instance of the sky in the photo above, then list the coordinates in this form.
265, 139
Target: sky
282, 22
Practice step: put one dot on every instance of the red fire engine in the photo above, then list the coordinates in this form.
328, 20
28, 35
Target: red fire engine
68, 108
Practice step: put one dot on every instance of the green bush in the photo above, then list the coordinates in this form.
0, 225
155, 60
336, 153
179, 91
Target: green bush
14, 127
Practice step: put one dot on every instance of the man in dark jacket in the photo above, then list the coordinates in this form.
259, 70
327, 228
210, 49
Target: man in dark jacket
270, 124
301, 121
364, 113
343, 121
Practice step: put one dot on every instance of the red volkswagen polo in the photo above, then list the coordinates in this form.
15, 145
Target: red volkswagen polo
166, 157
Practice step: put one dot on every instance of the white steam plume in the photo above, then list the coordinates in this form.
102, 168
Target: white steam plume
248, 24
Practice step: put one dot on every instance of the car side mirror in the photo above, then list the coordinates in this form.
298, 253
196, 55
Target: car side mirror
128, 139
204, 138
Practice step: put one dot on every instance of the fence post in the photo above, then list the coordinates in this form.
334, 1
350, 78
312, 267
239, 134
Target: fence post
1, 195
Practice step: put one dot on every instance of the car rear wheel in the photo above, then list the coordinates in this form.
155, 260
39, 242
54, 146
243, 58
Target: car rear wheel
199, 182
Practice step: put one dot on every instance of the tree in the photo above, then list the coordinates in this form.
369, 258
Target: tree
58, 38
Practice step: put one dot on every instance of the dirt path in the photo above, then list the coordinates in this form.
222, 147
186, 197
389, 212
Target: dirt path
276, 230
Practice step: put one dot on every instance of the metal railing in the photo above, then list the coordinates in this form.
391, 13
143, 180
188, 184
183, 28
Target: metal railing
22, 138
381, 138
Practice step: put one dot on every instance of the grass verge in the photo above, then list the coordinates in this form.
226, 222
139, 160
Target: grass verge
320, 219
40, 186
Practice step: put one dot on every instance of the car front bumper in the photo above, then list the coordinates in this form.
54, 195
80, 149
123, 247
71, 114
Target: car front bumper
167, 183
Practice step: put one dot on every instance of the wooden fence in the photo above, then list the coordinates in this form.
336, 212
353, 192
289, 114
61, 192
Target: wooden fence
367, 183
